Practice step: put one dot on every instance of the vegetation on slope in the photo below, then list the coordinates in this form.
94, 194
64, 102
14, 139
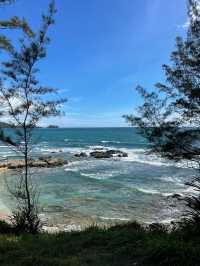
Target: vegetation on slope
124, 245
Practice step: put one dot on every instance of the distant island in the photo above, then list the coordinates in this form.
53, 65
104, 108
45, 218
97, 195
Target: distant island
53, 126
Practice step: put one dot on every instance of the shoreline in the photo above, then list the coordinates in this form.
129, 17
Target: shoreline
71, 223
51, 225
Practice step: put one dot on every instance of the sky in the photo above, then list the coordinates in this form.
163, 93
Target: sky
101, 50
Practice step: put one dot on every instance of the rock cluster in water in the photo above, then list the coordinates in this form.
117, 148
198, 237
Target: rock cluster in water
49, 161
40, 162
103, 154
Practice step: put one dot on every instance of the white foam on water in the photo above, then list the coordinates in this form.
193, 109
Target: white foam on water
184, 192
134, 155
167, 194
72, 227
111, 141
156, 192
170, 179
100, 175
190, 191
93, 176
167, 221
71, 170
80, 165
148, 191
141, 156
62, 149
97, 147
114, 218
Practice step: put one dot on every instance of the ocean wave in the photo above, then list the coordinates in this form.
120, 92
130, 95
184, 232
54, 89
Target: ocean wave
111, 141
100, 175
170, 179
167, 221
148, 191
79, 166
75, 170
73, 140
168, 194
134, 155
140, 155
114, 218
97, 147
156, 192
190, 191
143, 156
94, 176
6, 152
52, 150
71, 150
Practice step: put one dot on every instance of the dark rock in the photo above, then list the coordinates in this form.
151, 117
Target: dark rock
45, 158
108, 154
176, 196
82, 154
100, 154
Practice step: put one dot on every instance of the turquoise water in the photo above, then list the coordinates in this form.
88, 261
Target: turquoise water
139, 187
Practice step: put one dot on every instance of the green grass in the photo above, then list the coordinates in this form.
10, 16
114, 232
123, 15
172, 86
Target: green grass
124, 245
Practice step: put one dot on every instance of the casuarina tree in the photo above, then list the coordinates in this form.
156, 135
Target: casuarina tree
13, 23
24, 103
170, 115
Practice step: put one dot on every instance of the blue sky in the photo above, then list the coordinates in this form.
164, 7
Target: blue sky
100, 51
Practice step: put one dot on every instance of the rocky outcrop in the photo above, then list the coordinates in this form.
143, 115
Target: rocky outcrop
81, 155
47, 162
102, 154
108, 154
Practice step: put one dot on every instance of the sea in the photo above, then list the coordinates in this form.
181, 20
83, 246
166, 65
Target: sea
141, 187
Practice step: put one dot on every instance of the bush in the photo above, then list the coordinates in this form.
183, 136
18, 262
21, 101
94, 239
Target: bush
5, 228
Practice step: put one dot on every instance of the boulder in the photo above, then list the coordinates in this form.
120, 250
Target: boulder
117, 153
82, 154
100, 154
108, 154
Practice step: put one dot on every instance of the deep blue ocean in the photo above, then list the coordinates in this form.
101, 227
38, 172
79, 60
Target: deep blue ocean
139, 187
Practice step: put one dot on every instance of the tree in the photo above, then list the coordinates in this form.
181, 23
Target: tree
24, 103
170, 115
12, 23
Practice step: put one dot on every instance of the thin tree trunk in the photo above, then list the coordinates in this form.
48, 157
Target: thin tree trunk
26, 177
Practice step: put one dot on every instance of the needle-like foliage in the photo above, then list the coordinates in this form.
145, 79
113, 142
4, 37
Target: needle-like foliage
170, 115
13, 23
24, 103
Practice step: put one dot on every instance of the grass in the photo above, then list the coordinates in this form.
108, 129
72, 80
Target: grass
122, 245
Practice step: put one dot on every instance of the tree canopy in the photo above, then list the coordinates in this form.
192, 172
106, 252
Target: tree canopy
24, 102
13, 23
170, 114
